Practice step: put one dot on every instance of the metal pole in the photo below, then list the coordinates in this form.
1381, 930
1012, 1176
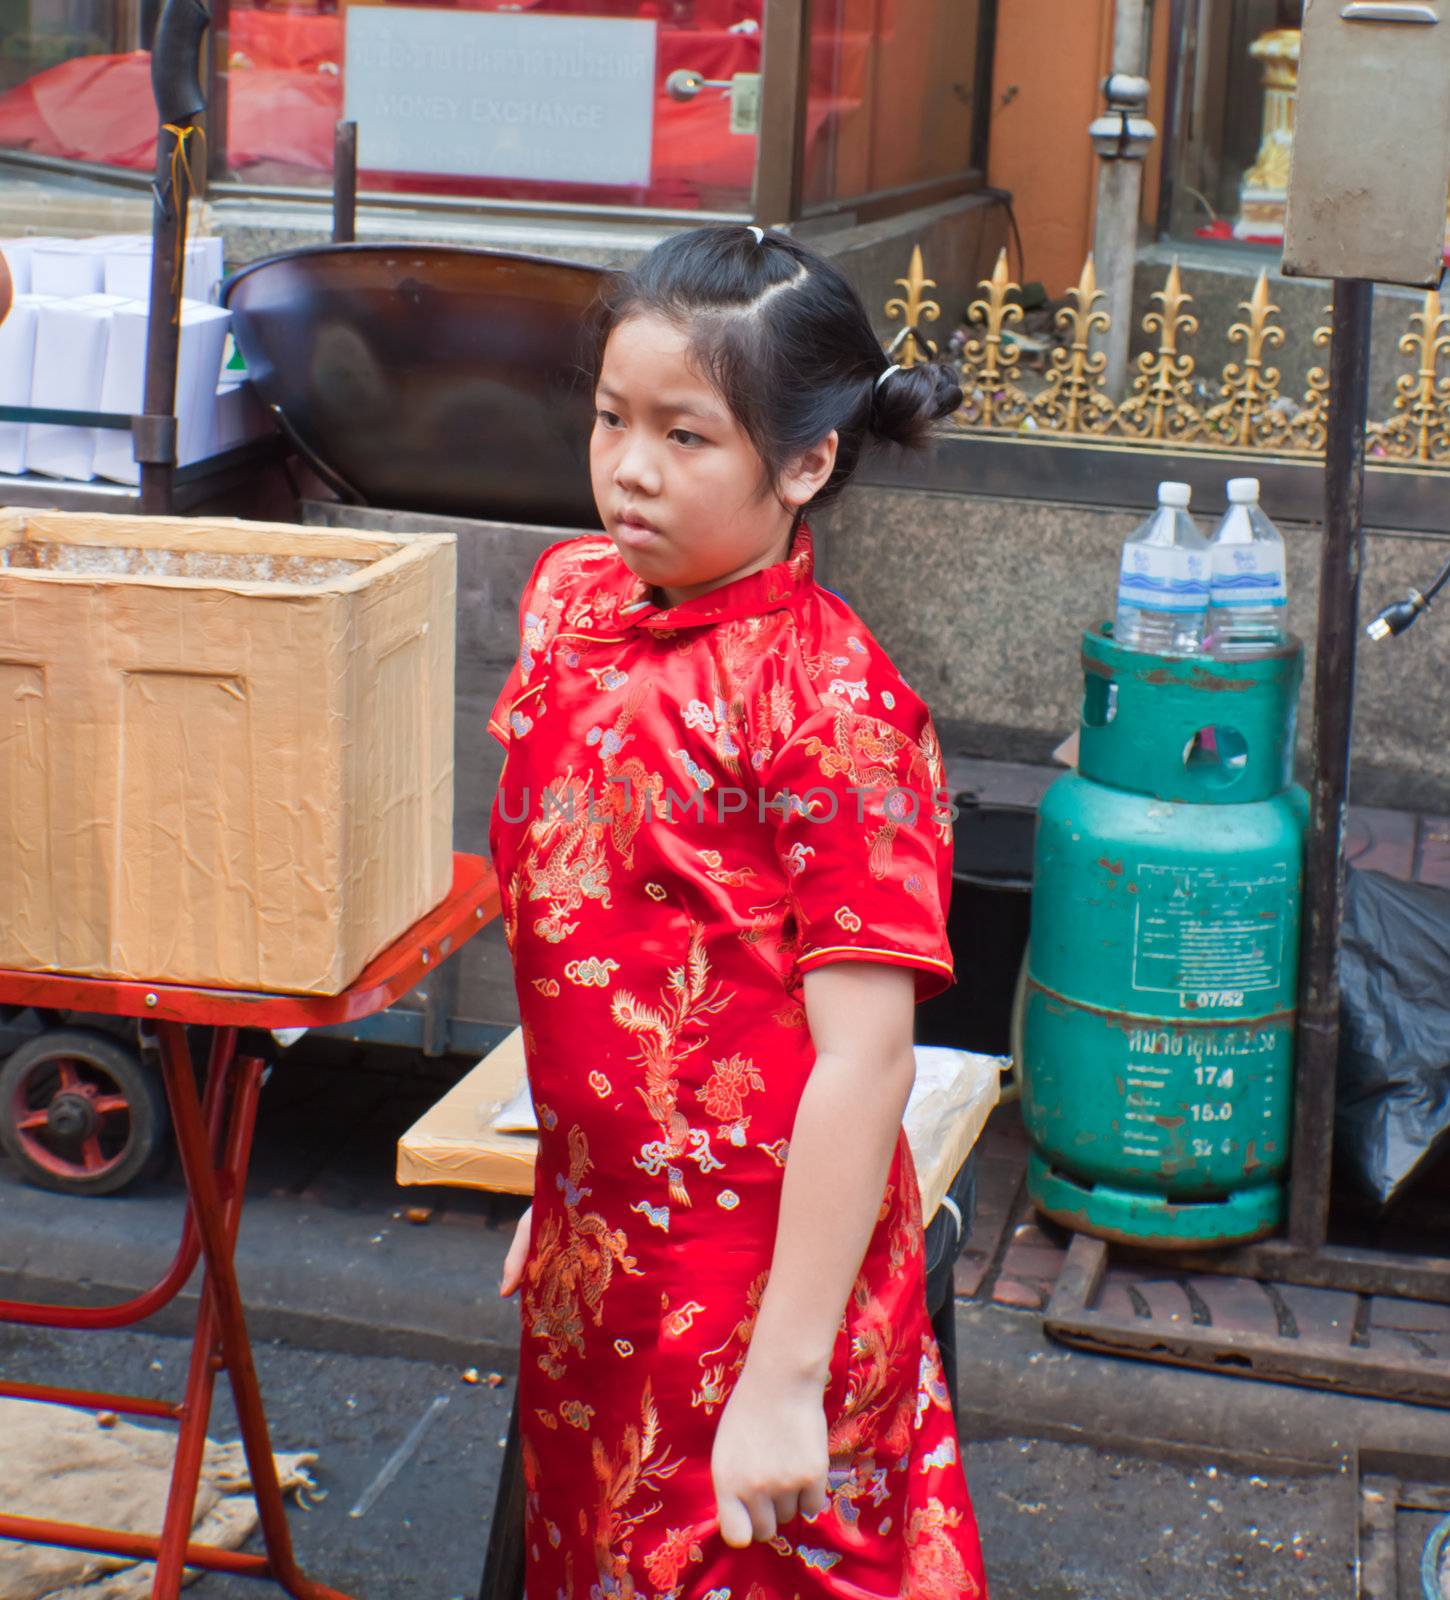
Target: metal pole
175, 64
1339, 576
1120, 187
344, 183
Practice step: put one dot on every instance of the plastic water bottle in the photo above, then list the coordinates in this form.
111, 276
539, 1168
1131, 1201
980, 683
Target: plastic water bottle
1246, 587
1163, 580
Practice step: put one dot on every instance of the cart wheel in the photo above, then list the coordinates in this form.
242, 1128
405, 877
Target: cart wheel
81, 1112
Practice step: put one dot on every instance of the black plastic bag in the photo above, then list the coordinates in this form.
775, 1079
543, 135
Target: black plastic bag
1393, 1106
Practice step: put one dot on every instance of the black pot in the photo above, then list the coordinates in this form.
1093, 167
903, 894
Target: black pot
428, 377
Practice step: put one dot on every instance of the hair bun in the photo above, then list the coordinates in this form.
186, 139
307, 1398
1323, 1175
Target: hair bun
906, 402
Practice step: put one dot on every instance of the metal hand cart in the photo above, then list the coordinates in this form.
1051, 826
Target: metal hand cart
214, 1137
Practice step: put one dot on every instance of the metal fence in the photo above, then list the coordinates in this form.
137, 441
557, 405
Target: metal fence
1171, 404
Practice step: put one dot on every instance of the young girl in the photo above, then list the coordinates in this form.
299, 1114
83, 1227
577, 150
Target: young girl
725, 862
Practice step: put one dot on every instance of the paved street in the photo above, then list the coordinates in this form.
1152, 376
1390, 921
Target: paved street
1094, 1479
1059, 1521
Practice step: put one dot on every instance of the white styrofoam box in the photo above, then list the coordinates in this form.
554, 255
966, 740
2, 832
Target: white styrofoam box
128, 269
198, 366
17, 366
72, 267
67, 267
17, 253
70, 359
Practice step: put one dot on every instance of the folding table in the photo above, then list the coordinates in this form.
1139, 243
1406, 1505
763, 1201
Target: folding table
214, 1138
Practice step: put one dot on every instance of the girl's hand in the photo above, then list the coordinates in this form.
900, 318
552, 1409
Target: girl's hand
770, 1458
513, 1262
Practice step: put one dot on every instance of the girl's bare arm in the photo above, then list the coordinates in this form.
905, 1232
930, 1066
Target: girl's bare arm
770, 1458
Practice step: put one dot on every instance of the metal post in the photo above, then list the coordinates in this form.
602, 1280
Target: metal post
1339, 576
785, 82
175, 64
1121, 137
156, 449
344, 183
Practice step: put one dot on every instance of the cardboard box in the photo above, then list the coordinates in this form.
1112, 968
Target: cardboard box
70, 363
71, 267
17, 370
227, 747
127, 269
198, 367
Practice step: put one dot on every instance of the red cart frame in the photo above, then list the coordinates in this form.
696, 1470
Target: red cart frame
214, 1139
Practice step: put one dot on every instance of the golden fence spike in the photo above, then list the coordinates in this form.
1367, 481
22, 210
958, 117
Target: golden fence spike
1161, 405
1073, 399
991, 396
1249, 408
911, 346
1419, 431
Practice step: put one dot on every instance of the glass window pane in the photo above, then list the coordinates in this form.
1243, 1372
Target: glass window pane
891, 94
553, 100
1237, 72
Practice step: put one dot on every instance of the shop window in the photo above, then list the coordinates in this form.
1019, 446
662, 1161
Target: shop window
897, 96
635, 104
1233, 69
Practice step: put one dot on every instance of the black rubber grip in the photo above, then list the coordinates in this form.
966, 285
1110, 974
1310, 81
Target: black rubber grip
176, 60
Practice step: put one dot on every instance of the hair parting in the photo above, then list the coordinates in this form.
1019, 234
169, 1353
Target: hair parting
786, 342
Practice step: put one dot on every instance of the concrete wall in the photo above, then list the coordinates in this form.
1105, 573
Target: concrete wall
982, 601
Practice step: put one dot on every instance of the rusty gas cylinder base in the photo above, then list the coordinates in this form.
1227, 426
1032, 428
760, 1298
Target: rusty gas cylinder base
1153, 1221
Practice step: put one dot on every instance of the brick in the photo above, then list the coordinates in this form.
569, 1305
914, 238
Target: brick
1324, 1316
1033, 1234
968, 1270
1023, 1296
1114, 1301
1166, 1301
1032, 1261
1237, 1305
1377, 840
1386, 1311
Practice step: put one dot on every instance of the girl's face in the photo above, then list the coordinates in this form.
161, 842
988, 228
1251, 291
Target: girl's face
680, 488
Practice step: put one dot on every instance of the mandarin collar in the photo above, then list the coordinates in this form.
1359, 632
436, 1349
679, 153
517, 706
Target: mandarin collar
751, 596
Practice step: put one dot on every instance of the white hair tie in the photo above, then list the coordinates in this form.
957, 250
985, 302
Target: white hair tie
758, 232
894, 367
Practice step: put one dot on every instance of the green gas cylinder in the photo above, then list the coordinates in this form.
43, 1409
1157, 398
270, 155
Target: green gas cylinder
1158, 1026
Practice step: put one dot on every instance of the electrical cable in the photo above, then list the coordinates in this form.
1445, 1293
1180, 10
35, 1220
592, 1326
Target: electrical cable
1395, 618
1004, 197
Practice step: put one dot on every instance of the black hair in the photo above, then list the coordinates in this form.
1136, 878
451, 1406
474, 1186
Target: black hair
785, 340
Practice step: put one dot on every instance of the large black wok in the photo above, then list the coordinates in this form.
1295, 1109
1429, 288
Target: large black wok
427, 377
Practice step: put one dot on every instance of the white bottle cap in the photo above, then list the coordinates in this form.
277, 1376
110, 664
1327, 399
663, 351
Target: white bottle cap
1243, 491
1174, 494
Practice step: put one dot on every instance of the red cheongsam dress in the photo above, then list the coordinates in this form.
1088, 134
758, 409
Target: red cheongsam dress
700, 804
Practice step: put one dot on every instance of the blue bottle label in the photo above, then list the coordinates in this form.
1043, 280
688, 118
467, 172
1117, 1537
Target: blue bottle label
1248, 575
1163, 578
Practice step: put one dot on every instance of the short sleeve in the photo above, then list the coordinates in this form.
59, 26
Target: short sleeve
863, 834
509, 718
498, 718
